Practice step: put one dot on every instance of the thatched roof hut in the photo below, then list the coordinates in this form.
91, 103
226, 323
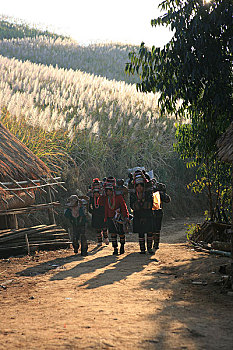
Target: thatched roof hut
225, 146
16, 160
17, 164
21, 175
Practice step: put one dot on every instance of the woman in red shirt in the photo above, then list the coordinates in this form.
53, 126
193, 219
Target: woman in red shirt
116, 214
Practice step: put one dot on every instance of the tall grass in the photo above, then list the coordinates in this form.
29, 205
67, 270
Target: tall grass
54, 148
106, 60
53, 99
113, 125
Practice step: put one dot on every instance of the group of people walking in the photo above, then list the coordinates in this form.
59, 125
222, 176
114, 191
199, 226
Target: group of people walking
108, 203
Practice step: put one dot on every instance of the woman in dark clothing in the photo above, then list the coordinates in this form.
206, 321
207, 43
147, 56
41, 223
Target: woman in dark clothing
141, 202
159, 197
75, 212
98, 211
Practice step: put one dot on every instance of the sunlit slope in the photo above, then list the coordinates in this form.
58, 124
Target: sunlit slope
10, 28
108, 108
27, 42
106, 60
54, 98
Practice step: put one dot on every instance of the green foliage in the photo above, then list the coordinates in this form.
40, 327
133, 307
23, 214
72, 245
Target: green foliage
191, 231
193, 74
195, 67
214, 179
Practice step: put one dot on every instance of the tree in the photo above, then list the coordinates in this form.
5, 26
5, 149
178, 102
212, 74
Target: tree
193, 74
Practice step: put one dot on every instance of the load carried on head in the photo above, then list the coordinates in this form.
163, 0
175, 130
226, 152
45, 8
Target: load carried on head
96, 208
146, 196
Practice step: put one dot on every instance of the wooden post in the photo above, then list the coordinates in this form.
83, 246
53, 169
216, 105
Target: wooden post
27, 243
232, 260
50, 210
8, 221
12, 221
232, 230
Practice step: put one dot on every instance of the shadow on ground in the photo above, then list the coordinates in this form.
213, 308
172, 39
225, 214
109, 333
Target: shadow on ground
119, 268
186, 315
54, 264
197, 312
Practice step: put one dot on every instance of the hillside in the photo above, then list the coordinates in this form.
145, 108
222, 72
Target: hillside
25, 43
55, 98
11, 28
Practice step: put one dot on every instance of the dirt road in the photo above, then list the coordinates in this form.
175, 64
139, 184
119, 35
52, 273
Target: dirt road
56, 300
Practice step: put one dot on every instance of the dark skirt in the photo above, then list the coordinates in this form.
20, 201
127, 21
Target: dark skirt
157, 220
143, 221
97, 221
114, 228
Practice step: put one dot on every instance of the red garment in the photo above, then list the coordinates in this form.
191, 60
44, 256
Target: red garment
101, 200
111, 211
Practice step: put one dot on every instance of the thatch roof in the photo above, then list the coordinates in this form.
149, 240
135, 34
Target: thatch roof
17, 161
225, 145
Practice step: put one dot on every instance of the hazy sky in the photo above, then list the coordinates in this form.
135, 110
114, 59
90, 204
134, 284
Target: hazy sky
88, 21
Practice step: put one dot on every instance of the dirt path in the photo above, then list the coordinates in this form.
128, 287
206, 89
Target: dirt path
56, 300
